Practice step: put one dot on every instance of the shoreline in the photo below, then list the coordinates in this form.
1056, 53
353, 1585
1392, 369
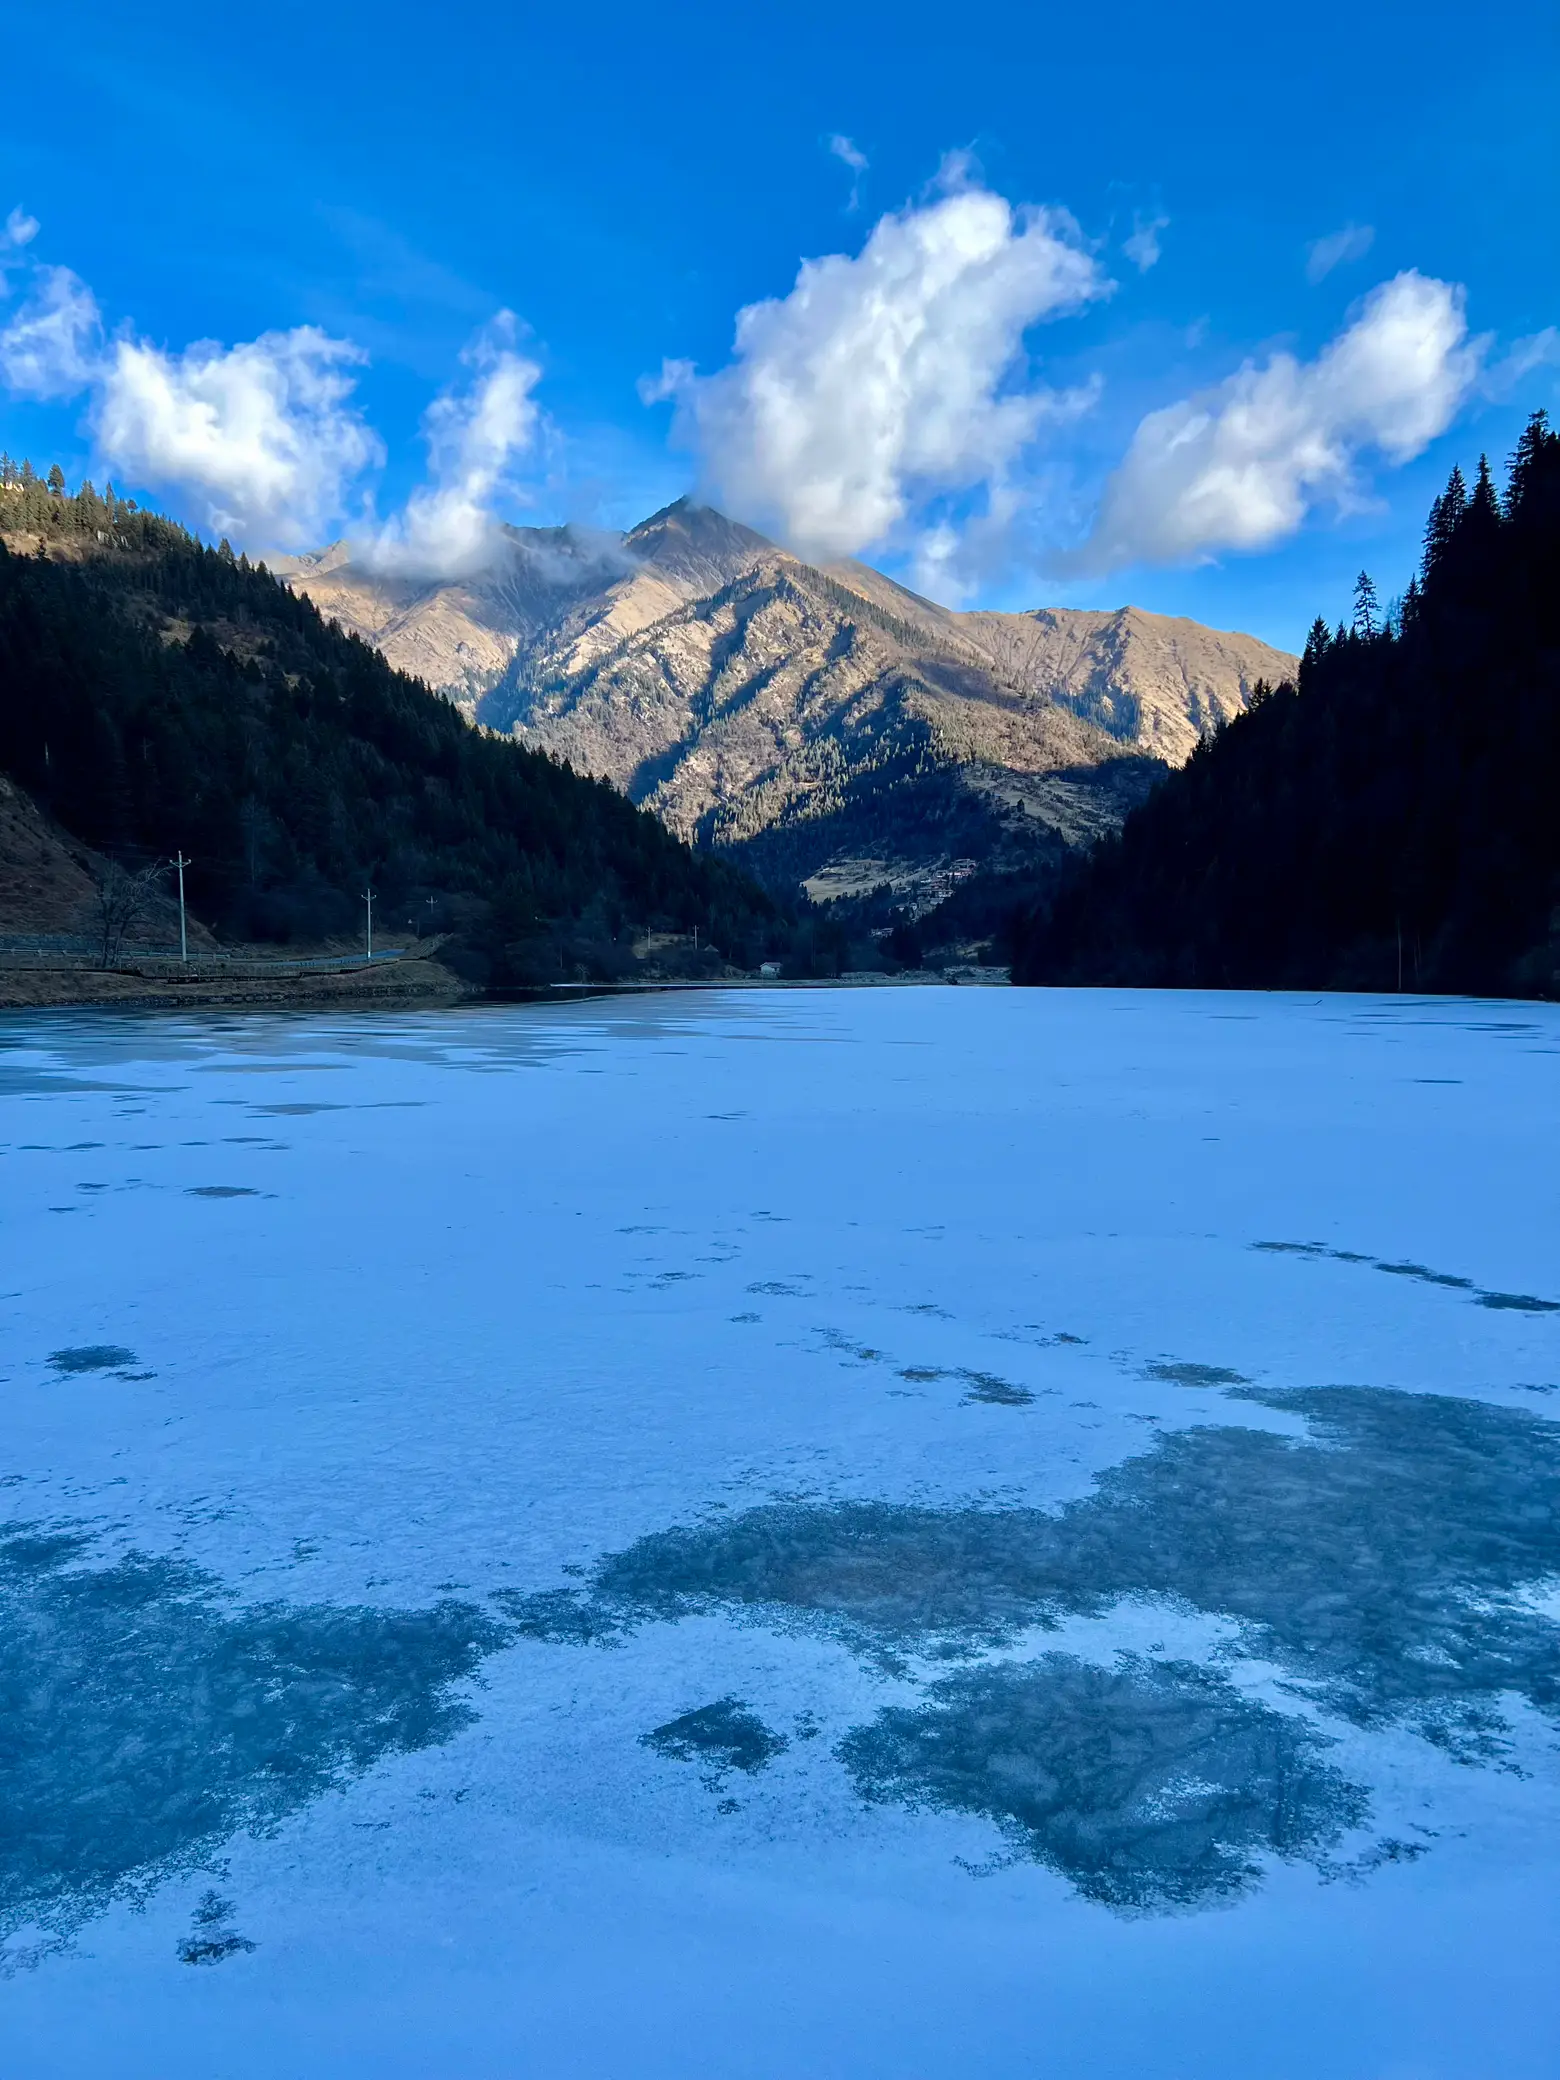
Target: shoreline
415, 985
68, 989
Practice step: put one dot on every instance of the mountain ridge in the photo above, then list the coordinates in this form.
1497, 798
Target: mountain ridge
761, 704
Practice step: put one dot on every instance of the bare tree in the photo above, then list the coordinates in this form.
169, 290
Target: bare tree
120, 898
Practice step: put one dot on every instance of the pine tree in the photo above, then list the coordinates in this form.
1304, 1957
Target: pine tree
1536, 445
1317, 645
57, 481
1446, 516
1484, 502
1367, 608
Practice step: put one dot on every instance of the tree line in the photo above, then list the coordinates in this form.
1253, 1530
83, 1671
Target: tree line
1389, 820
159, 695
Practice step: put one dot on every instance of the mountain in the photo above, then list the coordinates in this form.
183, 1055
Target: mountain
1386, 822
157, 695
824, 724
462, 636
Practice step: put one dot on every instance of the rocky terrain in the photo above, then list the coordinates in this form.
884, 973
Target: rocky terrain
826, 724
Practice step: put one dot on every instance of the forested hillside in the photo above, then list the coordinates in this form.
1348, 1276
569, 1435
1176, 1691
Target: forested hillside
158, 695
1393, 819
816, 725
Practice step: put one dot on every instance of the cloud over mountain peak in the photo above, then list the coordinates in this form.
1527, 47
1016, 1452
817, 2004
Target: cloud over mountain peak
888, 377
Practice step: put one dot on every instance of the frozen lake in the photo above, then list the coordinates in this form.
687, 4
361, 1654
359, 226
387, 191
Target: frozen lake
849, 1533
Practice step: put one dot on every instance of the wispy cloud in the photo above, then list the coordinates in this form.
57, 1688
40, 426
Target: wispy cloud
18, 230
887, 378
475, 433
852, 156
1337, 249
1521, 359
53, 346
1142, 247
384, 264
1240, 465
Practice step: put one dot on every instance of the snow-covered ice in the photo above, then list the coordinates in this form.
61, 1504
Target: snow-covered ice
859, 1533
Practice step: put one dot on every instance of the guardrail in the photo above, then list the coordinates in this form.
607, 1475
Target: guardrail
42, 951
238, 965
47, 942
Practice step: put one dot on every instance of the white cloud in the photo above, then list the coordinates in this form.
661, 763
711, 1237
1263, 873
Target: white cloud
1143, 247
474, 435
264, 434
1240, 465
1353, 242
52, 348
887, 379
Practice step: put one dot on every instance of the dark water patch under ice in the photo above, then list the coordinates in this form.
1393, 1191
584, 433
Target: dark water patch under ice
1382, 1560
1186, 1373
295, 1111
991, 1387
148, 1716
1517, 1303
724, 1735
1149, 1785
91, 1357
982, 1386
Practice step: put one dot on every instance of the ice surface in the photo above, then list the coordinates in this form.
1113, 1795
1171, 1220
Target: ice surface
857, 1533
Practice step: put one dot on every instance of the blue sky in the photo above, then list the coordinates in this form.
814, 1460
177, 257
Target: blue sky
990, 393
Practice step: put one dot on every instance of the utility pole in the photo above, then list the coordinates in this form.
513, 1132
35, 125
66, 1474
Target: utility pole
184, 945
368, 897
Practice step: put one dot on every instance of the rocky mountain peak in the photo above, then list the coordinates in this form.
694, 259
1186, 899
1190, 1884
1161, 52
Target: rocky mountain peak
800, 713
698, 546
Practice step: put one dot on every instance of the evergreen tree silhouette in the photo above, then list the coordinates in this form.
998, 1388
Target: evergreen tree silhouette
1401, 795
